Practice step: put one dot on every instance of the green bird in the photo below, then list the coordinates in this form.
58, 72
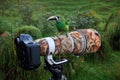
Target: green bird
61, 25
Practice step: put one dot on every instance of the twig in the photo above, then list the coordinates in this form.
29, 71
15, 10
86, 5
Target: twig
107, 22
8, 72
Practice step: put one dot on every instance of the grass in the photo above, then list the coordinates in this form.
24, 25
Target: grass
90, 69
100, 70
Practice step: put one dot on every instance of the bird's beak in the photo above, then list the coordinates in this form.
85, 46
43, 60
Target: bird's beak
53, 18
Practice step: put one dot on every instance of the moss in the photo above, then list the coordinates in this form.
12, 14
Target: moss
33, 31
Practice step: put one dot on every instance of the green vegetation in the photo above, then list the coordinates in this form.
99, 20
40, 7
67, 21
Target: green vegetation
33, 31
85, 19
30, 16
115, 35
4, 26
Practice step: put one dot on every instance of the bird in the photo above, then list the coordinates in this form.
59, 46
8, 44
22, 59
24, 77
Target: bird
60, 25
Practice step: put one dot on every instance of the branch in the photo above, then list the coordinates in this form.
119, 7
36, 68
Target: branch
107, 22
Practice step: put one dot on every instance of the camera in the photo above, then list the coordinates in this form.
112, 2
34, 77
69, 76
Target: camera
28, 52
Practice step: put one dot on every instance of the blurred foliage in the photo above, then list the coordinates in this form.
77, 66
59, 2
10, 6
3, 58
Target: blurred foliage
34, 13
5, 5
85, 19
7, 56
48, 28
9, 68
114, 38
5, 26
33, 31
26, 15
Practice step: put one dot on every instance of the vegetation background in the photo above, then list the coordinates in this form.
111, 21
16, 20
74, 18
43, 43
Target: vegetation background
30, 16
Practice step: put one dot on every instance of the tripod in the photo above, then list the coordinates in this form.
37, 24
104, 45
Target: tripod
56, 71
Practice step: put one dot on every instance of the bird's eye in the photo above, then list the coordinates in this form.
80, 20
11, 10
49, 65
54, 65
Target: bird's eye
58, 17
97, 34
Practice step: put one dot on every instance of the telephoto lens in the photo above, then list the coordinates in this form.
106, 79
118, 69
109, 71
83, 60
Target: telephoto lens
76, 42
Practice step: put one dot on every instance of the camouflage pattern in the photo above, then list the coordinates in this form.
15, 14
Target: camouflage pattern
73, 42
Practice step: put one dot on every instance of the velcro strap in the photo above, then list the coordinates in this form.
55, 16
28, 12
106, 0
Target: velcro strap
51, 44
83, 40
73, 46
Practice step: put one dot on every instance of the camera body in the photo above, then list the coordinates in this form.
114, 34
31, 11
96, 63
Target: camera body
28, 52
